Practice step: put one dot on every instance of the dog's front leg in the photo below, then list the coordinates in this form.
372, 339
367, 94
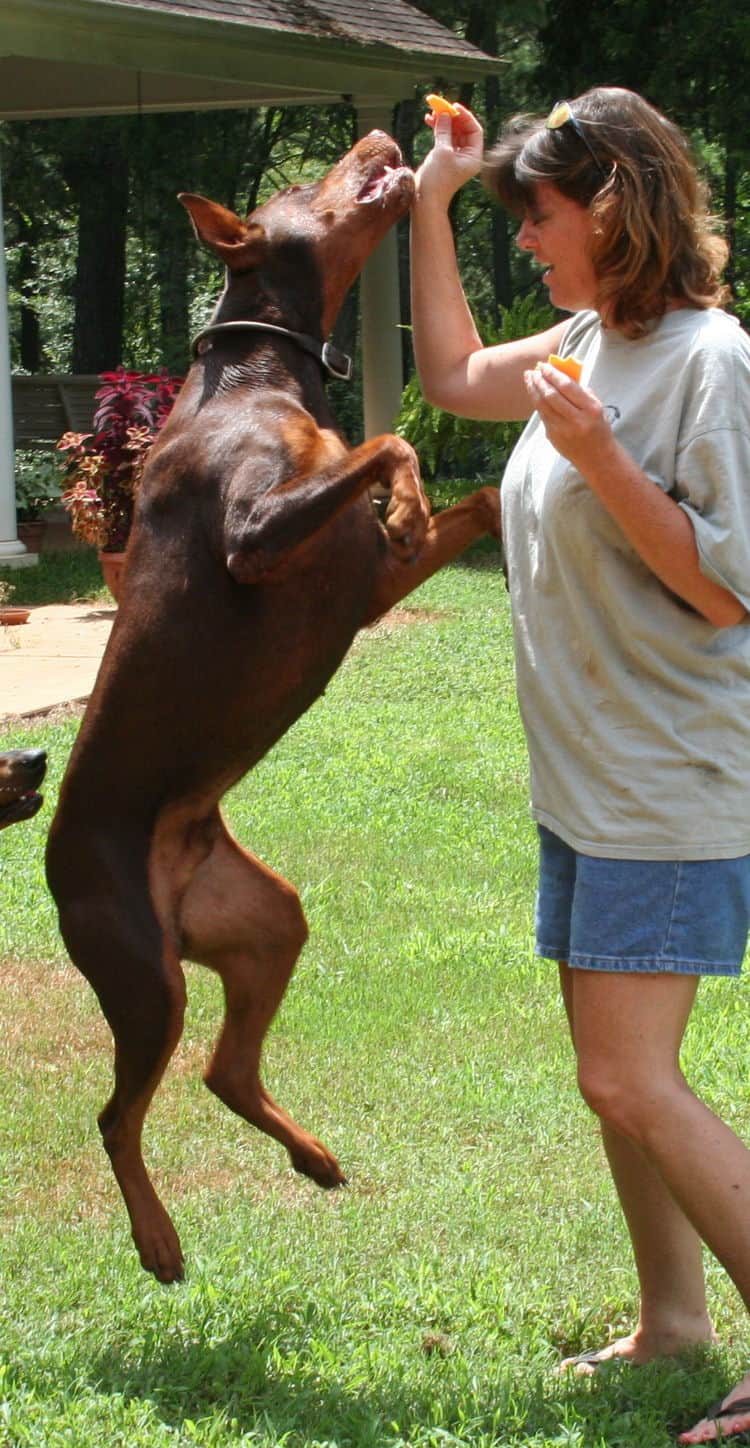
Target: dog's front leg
260, 536
448, 534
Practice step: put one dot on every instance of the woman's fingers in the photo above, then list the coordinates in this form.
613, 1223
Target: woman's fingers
455, 157
573, 416
545, 383
461, 134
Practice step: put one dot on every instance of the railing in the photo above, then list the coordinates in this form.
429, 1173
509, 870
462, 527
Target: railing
44, 407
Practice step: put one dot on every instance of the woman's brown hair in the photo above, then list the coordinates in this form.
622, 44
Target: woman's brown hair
654, 238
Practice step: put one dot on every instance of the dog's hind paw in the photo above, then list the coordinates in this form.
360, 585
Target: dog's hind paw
315, 1161
160, 1251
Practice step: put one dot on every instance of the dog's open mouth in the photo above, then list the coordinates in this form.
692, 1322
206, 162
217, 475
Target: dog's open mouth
22, 807
22, 772
383, 183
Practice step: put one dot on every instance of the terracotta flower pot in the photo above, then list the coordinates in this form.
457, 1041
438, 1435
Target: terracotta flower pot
113, 568
10, 614
31, 533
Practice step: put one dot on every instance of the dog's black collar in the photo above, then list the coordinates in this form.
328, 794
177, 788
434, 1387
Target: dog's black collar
336, 363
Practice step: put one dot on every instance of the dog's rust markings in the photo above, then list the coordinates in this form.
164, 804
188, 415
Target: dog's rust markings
255, 558
310, 448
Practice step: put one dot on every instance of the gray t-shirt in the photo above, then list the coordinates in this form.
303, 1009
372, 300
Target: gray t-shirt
636, 709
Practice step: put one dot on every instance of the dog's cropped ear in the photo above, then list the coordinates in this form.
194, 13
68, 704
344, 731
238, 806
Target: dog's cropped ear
239, 244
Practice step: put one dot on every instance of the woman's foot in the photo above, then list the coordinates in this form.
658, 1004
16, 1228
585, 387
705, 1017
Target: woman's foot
637, 1348
725, 1420
585, 1364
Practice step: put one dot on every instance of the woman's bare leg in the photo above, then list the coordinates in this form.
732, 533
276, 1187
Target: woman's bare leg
627, 1032
667, 1250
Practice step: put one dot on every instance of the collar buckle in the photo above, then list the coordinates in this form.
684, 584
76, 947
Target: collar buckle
336, 362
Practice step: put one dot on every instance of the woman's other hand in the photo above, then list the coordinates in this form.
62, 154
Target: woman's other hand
661, 533
455, 157
573, 417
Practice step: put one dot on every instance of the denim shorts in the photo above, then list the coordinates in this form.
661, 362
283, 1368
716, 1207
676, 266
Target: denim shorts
689, 917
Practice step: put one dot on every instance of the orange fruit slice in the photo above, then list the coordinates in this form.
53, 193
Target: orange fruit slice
439, 105
569, 365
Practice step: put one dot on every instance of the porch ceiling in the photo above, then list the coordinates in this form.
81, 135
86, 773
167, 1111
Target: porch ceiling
83, 57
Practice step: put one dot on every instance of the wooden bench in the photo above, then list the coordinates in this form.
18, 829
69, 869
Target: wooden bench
44, 407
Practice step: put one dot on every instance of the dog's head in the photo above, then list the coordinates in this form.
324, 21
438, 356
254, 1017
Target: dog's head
21, 773
307, 244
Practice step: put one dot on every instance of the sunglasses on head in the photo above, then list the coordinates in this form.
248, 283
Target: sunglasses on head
562, 115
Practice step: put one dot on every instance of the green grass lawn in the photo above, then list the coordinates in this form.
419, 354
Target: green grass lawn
426, 1304
70, 576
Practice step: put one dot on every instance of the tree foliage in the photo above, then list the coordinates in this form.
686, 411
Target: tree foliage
104, 269
689, 58
455, 447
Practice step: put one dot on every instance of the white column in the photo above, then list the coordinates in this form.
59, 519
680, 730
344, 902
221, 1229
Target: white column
382, 369
12, 552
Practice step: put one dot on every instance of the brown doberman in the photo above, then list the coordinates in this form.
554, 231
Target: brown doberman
255, 557
21, 773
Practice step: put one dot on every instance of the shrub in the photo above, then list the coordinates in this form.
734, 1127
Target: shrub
103, 468
450, 446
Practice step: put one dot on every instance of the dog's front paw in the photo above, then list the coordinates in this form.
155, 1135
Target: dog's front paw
405, 533
408, 511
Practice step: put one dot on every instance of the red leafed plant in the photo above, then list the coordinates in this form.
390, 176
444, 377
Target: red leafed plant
102, 469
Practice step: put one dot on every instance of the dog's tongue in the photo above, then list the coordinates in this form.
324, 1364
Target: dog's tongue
373, 189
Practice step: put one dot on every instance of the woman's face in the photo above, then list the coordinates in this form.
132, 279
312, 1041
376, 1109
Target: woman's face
559, 232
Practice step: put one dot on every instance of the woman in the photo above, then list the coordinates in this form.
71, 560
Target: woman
626, 524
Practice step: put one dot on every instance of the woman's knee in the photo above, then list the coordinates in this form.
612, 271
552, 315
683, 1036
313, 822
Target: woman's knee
629, 1104
603, 1091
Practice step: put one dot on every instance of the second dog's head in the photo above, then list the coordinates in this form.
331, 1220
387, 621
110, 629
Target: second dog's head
21, 773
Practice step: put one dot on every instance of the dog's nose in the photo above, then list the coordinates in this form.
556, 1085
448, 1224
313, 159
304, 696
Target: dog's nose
34, 762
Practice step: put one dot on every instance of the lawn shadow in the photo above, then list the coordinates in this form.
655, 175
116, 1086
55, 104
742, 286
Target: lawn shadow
273, 1377
276, 1376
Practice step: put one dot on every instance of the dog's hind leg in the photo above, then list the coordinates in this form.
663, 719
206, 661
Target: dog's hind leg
138, 979
246, 923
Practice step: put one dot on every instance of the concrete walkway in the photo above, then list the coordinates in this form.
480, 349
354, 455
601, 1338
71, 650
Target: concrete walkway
53, 659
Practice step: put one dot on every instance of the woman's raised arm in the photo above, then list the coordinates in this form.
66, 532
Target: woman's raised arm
457, 372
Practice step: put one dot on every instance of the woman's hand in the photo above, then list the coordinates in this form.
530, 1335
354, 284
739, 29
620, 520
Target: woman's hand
456, 155
573, 417
652, 521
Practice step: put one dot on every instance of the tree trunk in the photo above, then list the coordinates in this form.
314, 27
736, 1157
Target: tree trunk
731, 177
172, 268
31, 337
97, 174
501, 272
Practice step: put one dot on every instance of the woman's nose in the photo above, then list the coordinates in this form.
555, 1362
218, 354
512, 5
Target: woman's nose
524, 236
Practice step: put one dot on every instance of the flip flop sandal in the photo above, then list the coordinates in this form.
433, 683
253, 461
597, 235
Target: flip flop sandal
717, 1411
595, 1357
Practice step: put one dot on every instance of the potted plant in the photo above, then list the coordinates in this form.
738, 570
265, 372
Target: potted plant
37, 484
102, 469
9, 611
